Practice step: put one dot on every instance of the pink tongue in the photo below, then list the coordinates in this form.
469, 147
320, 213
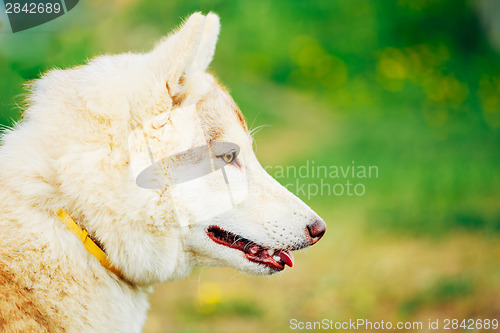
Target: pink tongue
286, 257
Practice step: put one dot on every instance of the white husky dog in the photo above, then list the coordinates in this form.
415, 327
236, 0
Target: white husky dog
126, 172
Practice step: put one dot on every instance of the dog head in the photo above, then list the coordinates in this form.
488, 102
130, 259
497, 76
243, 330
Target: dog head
155, 160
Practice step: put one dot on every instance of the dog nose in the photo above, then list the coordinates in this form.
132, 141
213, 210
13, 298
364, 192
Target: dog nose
316, 230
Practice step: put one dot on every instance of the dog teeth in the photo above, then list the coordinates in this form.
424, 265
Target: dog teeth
271, 252
277, 258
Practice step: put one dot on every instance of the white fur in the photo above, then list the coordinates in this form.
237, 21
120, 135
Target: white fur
72, 150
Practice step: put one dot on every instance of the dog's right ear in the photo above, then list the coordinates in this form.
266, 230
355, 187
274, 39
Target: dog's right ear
187, 50
207, 45
173, 57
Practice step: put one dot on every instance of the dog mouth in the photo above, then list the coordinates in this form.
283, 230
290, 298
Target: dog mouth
274, 259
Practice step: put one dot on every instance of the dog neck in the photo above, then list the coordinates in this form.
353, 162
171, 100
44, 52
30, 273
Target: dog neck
90, 245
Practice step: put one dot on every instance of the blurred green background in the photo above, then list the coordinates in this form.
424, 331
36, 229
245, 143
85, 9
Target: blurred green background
409, 86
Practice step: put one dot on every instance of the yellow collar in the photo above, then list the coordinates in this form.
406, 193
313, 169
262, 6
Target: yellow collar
89, 244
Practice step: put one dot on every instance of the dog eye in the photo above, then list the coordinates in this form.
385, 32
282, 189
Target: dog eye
229, 157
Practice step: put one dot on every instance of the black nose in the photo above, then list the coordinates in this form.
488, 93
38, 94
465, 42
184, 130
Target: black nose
316, 230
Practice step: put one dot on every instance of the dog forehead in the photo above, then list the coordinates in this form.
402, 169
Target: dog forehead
219, 115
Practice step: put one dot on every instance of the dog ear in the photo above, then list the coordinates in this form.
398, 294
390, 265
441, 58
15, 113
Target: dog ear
174, 56
209, 40
189, 49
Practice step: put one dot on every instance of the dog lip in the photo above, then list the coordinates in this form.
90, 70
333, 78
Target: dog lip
253, 252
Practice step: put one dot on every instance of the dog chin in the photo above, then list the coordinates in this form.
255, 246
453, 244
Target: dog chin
242, 264
258, 269
231, 258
